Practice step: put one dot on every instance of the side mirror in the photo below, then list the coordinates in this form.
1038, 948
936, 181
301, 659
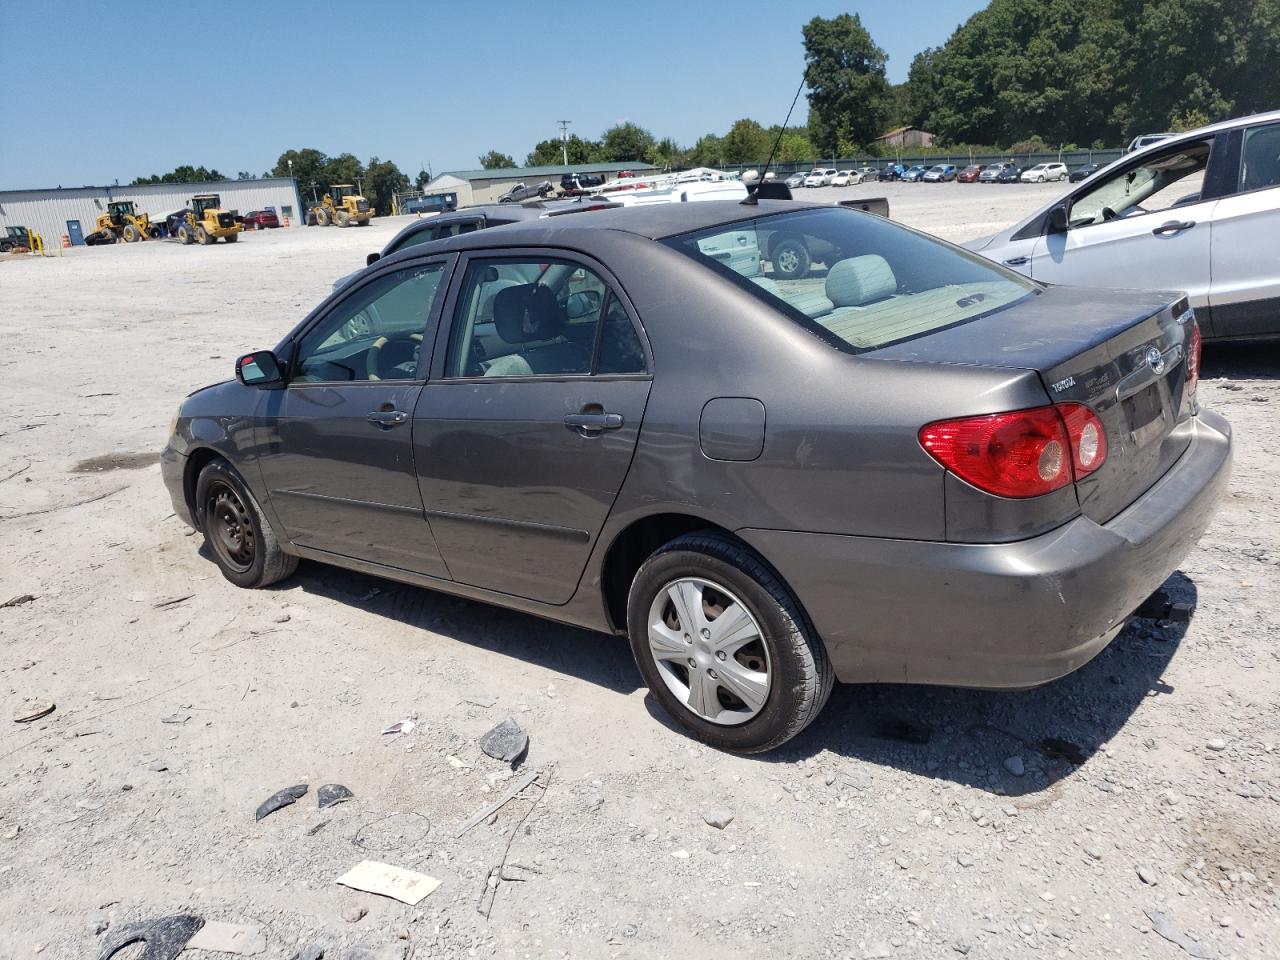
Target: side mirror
259, 369
371, 259
582, 304
1058, 219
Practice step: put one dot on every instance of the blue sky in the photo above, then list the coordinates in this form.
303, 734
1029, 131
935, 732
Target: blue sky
119, 89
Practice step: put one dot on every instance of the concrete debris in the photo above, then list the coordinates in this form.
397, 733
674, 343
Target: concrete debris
243, 939
1175, 936
718, 817
32, 709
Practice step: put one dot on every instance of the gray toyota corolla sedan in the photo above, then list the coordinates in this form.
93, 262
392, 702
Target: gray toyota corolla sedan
905, 464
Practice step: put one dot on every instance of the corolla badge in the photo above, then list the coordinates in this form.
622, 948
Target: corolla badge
1155, 360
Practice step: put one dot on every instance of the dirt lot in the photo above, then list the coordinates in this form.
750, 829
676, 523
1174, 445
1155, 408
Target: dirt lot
907, 822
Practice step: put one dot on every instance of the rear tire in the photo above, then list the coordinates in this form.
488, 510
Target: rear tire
322, 217
232, 237
237, 533
781, 665
131, 233
791, 258
202, 235
184, 234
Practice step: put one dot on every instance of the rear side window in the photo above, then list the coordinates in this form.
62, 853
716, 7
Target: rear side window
1260, 161
545, 318
857, 280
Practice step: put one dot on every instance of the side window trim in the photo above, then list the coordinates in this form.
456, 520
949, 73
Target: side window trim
448, 313
448, 263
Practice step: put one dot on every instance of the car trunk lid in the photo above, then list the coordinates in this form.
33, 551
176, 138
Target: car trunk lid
1122, 353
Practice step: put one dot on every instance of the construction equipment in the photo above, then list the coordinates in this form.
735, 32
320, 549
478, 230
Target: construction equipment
204, 221
122, 222
342, 206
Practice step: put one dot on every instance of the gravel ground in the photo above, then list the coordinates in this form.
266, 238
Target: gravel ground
1141, 794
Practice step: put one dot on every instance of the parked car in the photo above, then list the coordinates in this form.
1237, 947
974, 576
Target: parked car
843, 178
940, 173
970, 173
914, 174
892, 171
1146, 140
433, 203
820, 177
574, 183
1198, 212
469, 219
795, 181
991, 173
515, 416
1042, 172
520, 192
1011, 174
866, 174
1080, 173
260, 220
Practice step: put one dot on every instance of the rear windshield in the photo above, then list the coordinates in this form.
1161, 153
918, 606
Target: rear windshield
855, 279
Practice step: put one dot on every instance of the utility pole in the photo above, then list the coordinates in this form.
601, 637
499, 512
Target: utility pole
564, 139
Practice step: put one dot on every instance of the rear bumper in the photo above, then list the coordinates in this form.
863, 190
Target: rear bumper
1005, 615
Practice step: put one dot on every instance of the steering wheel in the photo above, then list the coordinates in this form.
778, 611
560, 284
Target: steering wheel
389, 352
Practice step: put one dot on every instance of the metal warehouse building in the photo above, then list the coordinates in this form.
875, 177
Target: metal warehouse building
485, 186
75, 210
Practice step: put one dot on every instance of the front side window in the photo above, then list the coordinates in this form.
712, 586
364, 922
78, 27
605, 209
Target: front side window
857, 280
1161, 182
373, 334
1260, 161
535, 318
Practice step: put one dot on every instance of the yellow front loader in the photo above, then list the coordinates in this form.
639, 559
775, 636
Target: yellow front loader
205, 221
123, 222
342, 206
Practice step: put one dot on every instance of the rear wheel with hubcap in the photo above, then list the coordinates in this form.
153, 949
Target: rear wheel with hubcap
243, 544
791, 258
724, 646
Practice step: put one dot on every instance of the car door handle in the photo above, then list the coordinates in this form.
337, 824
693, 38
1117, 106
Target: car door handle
594, 422
1017, 261
388, 418
1173, 226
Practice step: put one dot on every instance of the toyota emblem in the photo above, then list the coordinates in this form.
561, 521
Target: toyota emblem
1155, 360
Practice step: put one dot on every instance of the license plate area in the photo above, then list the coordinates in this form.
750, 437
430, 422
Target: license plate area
1146, 414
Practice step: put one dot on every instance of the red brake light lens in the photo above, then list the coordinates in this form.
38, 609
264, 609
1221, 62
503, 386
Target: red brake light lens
1021, 454
1193, 357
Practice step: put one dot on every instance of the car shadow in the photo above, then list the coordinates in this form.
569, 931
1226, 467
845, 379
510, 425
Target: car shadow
1240, 361
585, 654
966, 736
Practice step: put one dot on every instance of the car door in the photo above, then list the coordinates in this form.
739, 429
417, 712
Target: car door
526, 429
1244, 298
335, 444
1146, 225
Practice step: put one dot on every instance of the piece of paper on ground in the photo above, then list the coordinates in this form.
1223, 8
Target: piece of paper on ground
388, 881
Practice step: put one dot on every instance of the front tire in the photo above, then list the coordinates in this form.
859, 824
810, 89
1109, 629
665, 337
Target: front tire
237, 533
342, 218
232, 237
184, 234
322, 217
724, 646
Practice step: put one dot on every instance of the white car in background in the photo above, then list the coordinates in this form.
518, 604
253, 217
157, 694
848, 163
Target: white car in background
820, 177
1198, 212
845, 177
1146, 140
1045, 171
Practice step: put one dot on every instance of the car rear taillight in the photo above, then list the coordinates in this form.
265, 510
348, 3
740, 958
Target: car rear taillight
1193, 357
1024, 453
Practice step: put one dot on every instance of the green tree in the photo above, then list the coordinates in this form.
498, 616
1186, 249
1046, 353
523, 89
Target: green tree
493, 160
383, 180
706, 152
344, 168
548, 153
794, 145
746, 142
182, 174
422, 179
669, 155
625, 142
307, 168
847, 87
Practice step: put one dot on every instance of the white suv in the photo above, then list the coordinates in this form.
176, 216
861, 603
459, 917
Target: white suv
1044, 171
821, 177
1198, 212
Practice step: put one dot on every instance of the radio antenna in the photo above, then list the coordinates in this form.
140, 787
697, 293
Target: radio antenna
753, 196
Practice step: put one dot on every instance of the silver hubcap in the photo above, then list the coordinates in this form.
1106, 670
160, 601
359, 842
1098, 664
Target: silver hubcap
788, 261
709, 651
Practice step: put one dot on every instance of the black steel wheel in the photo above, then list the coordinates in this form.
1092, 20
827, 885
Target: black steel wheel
242, 542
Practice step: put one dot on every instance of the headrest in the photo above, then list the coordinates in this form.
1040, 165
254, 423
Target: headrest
860, 280
488, 273
527, 312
